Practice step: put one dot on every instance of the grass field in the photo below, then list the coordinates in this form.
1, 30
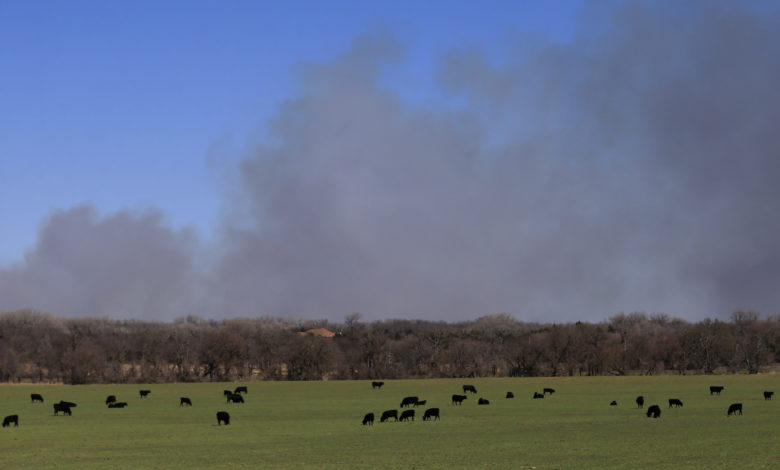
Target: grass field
317, 425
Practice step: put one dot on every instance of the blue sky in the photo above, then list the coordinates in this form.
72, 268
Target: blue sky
555, 160
121, 104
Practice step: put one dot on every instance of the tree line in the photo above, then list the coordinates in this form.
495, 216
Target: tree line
40, 347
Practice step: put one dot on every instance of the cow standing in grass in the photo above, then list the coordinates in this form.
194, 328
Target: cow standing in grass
640, 401
768, 395
223, 417
654, 411
368, 419
389, 414
185, 401
675, 402
60, 408
734, 408
144, 393
548, 390
407, 415
458, 399
11, 419
431, 413
409, 401
510, 395
469, 388
377, 384
235, 398
716, 389
36, 397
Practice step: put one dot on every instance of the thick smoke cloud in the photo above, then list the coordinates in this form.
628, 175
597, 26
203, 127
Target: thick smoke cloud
634, 168
125, 265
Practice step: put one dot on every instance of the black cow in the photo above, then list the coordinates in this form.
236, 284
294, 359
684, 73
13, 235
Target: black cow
143, 393
675, 402
768, 395
11, 419
510, 395
110, 399
548, 390
119, 404
235, 398
377, 384
408, 401
458, 399
185, 401
640, 401
241, 389
614, 403
406, 415
483, 401
733, 408
36, 397
226, 393
431, 413
389, 414
538, 395
59, 407
469, 388
654, 411
223, 417
368, 419
716, 389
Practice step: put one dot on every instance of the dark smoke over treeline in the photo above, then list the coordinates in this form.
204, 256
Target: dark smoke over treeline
634, 168
39, 347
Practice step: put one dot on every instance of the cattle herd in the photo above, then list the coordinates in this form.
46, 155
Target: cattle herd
653, 411
64, 407
407, 405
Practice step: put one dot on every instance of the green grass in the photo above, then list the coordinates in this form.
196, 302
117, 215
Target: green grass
317, 425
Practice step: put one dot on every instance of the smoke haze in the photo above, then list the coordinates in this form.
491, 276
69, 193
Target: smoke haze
633, 169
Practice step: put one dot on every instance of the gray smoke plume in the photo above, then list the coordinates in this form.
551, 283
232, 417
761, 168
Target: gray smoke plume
634, 168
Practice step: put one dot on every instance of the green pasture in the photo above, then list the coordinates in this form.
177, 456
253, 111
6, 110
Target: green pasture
317, 425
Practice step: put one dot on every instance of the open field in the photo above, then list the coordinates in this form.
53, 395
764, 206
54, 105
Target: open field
317, 425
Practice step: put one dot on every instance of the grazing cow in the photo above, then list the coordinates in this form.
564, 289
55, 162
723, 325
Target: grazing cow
469, 388
483, 401
431, 413
8, 420
241, 389
406, 415
235, 398
675, 402
653, 411
510, 395
733, 408
110, 399
458, 399
368, 419
377, 384
36, 397
716, 389
768, 395
143, 393
614, 403
59, 407
389, 414
223, 417
185, 401
548, 390
119, 404
640, 401
408, 401
538, 395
